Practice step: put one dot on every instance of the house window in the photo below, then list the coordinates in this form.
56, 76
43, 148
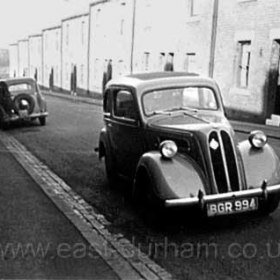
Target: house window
82, 74
57, 41
46, 41
83, 32
122, 27
146, 61
190, 64
67, 34
243, 69
161, 61
195, 7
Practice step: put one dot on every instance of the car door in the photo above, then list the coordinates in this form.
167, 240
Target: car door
126, 131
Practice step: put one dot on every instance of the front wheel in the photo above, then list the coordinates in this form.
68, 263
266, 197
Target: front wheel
42, 120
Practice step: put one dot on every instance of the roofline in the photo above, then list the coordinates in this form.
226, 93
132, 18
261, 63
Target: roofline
98, 3
35, 35
22, 40
51, 28
13, 44
74, 17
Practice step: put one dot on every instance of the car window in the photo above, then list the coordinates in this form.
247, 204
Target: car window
124, 105
201, 98
19, 87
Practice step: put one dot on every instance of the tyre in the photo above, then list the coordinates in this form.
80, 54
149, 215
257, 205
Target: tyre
42, 120
24, 101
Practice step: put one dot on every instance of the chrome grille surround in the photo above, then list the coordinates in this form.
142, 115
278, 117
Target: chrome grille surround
224, 161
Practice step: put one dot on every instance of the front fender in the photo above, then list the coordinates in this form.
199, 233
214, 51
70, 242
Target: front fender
172, 178
260, 164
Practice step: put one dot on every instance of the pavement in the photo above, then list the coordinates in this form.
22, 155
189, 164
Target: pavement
48, 231
36, 240
239, 126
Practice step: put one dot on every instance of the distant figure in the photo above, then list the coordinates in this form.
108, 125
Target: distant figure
36, 74
107, 74
51, 80
109, 70
73, 81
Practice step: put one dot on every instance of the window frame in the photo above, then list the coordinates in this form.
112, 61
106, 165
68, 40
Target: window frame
114, 95
240, 72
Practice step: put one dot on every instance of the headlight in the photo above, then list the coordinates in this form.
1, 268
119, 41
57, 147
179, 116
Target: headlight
257, 139
168, 149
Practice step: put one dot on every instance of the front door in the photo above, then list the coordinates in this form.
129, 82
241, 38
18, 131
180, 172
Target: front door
126, 132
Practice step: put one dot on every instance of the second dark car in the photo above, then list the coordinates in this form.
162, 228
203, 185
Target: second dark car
22, 101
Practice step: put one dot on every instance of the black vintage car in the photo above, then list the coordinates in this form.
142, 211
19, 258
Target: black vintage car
167, 133
21, 100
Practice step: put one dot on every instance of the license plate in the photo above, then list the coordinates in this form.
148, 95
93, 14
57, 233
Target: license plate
23, 113
232, 206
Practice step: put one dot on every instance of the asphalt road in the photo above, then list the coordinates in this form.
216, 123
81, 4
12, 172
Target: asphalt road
243, 248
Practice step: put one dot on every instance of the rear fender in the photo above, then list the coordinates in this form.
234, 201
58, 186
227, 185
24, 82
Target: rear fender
260, 164
171, 178
103, 143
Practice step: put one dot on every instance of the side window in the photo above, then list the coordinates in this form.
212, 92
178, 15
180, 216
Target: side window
124, 106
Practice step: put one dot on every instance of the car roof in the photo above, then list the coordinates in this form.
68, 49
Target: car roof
145, 81
158, 75
19, 80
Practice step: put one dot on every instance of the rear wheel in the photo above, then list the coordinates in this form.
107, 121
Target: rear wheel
42, 120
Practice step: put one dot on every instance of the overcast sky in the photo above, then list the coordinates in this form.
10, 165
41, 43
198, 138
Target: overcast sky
21, 18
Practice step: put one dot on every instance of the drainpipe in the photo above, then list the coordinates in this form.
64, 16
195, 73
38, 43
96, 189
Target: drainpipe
213, 38
132, 37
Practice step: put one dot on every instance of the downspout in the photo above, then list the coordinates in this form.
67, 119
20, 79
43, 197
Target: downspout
89, 50
132, 37
213, 38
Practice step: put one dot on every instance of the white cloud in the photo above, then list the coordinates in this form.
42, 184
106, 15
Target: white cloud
21, 18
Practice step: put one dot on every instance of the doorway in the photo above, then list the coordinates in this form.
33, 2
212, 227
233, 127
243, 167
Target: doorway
274, 77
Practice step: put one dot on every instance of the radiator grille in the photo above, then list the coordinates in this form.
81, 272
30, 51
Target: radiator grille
223, 161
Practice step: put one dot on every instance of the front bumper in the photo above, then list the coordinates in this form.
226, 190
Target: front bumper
201, 200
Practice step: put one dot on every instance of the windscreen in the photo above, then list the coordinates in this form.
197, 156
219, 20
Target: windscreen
171, 99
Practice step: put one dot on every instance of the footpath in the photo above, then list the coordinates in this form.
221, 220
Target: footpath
37, 240
50, 232
243, 127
